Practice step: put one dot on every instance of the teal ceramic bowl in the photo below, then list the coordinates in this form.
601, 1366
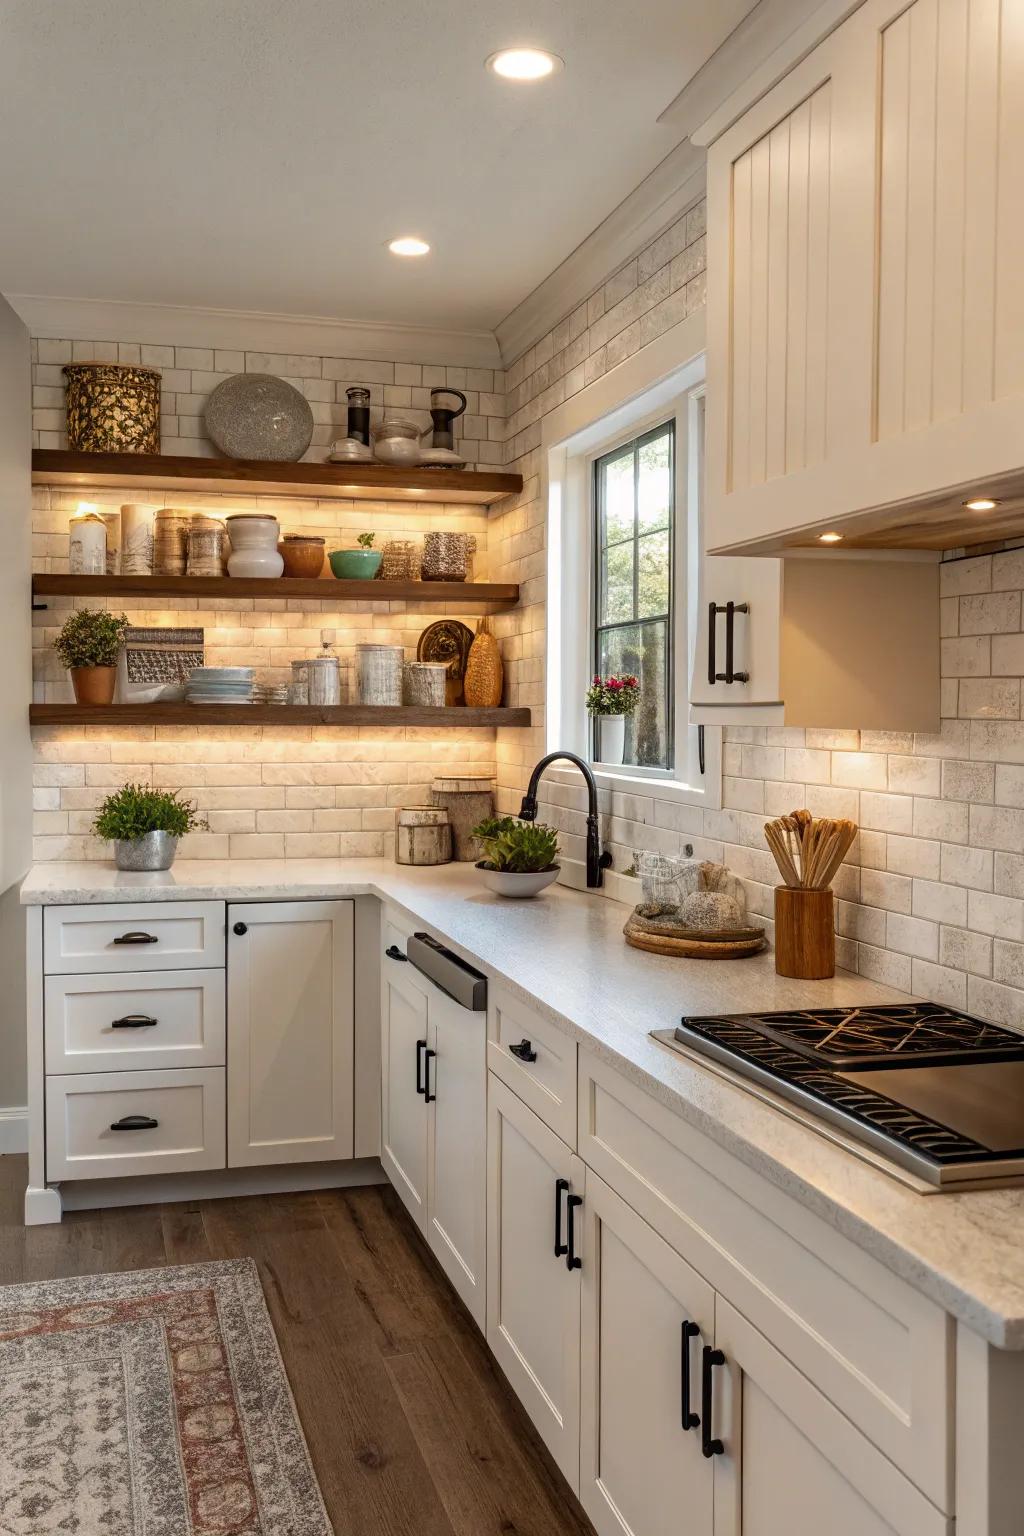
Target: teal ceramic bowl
355, 564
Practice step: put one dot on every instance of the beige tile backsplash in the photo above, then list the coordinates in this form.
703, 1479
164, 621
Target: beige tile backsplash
932, 899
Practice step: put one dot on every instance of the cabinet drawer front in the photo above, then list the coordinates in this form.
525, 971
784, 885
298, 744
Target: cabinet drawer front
877, 1349
136, 936
547, 1084
123, 1022
187, 1106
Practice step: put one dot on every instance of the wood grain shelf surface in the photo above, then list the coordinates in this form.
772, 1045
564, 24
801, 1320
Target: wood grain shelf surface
273, 714
326, 588
346, 482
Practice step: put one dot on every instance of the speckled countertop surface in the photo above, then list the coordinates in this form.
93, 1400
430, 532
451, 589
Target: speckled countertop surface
565, 954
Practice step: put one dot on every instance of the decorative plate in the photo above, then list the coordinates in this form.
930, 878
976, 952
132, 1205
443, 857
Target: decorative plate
258, 416
449, 641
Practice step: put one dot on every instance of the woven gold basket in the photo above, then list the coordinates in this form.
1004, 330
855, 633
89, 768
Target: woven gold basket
113, 408
485, 673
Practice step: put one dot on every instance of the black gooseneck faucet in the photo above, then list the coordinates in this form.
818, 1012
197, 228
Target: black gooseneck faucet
597, 862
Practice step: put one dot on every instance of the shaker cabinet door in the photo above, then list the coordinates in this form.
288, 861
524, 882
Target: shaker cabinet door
456, 1083
290, 1032
404, 1109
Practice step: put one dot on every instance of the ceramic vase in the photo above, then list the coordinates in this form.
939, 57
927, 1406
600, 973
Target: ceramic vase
485, 674
611, 738
254, 549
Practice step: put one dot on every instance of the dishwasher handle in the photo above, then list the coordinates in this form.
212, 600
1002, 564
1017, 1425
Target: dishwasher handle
452, 975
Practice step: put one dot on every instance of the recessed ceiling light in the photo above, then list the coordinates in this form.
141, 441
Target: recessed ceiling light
524, 63
981, 504
408, 245
829, 538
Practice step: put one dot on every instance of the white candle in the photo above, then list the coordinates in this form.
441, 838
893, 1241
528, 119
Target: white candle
137, 539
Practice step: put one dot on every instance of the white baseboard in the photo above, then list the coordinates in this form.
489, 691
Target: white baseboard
13, 1129
159, 1189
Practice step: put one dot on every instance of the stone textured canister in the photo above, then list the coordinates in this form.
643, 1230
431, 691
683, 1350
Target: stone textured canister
424, 683
468, 799
379, 674
423, 835
112, 408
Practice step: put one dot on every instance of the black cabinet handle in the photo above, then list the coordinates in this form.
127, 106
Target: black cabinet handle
524, 1051
136, 937
421, 1046
135, 1123
133, 1021
690, 1331
428, 1057
394, 953
561, 1188
572, 1260
710, 1358
240, 928
729, 675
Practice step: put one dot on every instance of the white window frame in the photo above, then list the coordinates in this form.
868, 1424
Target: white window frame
648, 389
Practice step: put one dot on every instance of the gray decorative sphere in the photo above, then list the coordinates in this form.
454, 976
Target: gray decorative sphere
258, 416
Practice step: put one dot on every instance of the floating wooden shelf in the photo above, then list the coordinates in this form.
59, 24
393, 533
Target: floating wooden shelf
271, 714
326, 588
344, 482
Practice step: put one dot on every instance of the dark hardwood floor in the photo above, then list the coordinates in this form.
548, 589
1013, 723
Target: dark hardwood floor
412, 1428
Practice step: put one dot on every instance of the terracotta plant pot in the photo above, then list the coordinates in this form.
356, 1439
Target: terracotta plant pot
93, 685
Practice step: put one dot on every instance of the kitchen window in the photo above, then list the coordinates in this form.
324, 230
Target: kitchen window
634, 505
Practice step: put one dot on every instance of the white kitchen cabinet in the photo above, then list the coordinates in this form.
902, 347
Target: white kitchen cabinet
865, 294
535, 1254
434, 1117
128, 1020
107, 1125
646, 1314
786, 1460
290, 1032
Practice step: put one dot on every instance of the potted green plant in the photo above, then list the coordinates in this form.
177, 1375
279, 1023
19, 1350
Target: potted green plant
144, 824
360, 564
610, 701
88, 645
518, 856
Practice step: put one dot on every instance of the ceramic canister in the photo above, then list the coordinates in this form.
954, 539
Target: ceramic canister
113, 525
324, 675
423, 835
379, 674
468, 799
137, 539
87, 555
424, 683
254, 549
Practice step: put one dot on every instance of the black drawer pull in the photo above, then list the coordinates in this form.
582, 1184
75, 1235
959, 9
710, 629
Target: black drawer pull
690, 1420
135, 1123
710, 1358
572, 1260
524, 1051
421, 1046
428, 1057
133, 1021
561, 1188
136, 937
394, 953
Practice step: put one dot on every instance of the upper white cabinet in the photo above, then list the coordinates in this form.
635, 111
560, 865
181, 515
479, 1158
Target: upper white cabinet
865, 293
290, 1032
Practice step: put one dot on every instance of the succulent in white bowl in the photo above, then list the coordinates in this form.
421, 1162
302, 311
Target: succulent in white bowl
518, 856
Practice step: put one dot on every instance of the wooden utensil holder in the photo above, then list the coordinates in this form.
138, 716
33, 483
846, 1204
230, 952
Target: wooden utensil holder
805, 935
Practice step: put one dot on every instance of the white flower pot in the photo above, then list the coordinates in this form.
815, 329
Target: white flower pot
503, 883
611, 738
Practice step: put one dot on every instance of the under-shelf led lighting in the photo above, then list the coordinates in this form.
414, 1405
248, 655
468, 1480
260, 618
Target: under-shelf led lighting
524, 63
981, 504
408, 245
829, 538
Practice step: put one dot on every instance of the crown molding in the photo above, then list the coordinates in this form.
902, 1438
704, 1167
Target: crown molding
251, 331
770, 41
671, 188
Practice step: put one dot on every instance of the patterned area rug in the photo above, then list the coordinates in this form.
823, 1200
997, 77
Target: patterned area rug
149, 1404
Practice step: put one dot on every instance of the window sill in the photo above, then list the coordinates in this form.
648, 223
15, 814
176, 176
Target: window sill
621, 781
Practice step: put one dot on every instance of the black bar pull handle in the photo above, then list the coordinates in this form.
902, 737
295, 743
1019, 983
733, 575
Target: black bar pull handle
135, 1123
524, 1051
572, 1259
421, 1046
428, 1057
561, 1188
731, 610
713, 612
133, 1021
136, 937
690, 1420
710, 1358
394, 953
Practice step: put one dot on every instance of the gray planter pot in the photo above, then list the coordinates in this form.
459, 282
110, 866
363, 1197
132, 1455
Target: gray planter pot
154, 851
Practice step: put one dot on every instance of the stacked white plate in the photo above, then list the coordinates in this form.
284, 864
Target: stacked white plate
220, 685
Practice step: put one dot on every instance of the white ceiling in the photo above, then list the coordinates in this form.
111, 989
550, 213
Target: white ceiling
258, 154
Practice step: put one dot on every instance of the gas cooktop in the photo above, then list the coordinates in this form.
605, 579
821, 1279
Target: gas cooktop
940, 1093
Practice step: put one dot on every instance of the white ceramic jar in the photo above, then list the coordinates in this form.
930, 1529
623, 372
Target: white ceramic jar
87, 555
254, 549
137, 539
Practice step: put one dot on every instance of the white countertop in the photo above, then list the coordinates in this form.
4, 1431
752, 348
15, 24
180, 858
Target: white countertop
565, 954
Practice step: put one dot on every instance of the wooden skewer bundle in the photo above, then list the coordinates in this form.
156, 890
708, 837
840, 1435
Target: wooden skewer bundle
809, 852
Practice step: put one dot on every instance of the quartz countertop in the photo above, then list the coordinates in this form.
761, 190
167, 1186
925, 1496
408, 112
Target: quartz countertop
564, 954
